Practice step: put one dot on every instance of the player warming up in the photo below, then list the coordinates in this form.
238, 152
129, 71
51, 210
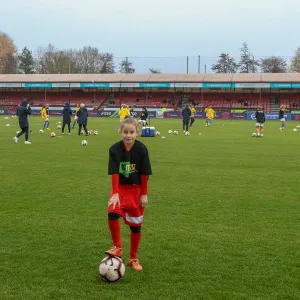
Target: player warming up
76, 117
193, 111
260, 120
130, 167
22, 112
281, 116
210, 115
144, 116
45, 116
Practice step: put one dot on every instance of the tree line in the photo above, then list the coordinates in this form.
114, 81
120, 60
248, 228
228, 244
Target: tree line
248, 63
89, 60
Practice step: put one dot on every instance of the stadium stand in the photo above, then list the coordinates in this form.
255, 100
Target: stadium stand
166, 96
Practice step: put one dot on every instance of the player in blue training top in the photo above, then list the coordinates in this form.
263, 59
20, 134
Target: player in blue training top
281, 116
260, 120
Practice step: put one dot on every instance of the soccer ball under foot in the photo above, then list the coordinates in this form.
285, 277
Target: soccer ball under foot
84, 143
111, 269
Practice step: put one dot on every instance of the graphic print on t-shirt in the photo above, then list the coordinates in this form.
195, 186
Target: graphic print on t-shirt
126, 168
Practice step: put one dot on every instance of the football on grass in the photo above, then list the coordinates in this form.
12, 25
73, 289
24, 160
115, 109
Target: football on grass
111, 269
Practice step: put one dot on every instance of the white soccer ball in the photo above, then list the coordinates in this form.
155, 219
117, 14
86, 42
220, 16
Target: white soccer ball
58, 126
175, 132
41, 131
163, 137
58, 122
157, 133
298, 126
253, 134
170, 131
6, 118
84, 143
295, 129
52, 134
89, 132
7, 125
95, 132
187, 133
111, 269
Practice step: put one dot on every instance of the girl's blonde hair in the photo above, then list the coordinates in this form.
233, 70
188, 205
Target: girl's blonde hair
129, 120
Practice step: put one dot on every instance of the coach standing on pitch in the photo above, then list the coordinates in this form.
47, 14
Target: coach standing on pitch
82, 119
186, 115
67, 112
22, 112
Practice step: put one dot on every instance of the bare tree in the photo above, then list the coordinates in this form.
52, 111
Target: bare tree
295, 65
45, 60
155, 71
273, 64
87, 60
8, 54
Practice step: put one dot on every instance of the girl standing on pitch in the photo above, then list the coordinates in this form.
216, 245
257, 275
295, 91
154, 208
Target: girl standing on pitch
130, 167
260, 120
281, 116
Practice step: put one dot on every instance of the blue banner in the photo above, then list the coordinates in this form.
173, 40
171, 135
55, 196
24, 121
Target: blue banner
296, 85
102, 85
218, 85
155, 85
37, 85
280, 85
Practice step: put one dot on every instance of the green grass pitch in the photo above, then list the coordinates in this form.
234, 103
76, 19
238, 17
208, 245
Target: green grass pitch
223, 220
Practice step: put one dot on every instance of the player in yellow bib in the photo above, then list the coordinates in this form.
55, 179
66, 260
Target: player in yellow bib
76, 117
124, 111
210, 115
193, 111
45, 116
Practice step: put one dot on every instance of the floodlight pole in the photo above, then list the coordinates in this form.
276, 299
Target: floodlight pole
187, 65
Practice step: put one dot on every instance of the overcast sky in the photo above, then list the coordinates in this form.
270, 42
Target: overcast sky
156, 28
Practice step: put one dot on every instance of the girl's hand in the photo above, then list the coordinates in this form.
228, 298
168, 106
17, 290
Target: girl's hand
114, 200
144, 201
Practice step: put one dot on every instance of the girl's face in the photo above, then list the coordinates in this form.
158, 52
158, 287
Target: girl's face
129, 133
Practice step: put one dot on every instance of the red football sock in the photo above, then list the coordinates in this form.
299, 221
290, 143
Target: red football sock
115, 232
135, 239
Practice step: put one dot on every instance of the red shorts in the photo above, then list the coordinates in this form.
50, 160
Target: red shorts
130, 209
